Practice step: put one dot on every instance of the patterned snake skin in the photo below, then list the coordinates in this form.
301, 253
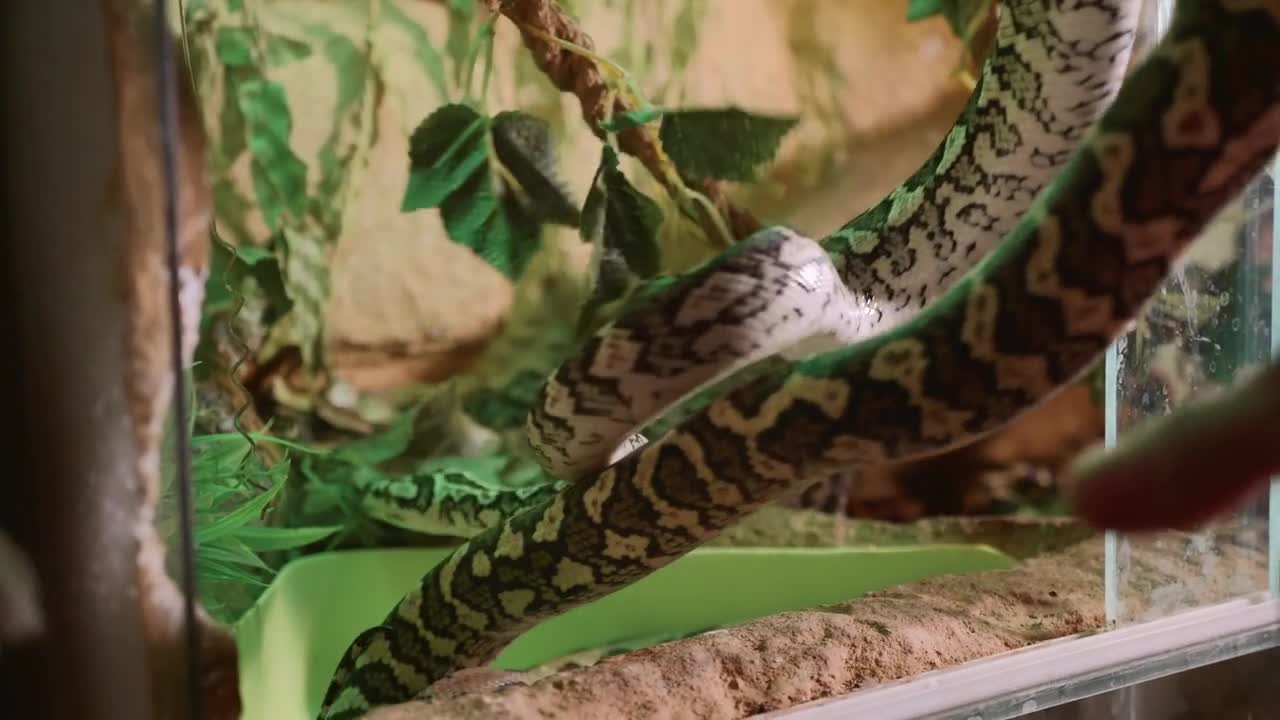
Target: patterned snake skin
1188, 129
448, 500
1054, 68
1052, 71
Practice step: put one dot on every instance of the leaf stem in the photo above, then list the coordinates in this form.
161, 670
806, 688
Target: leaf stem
704, 203
585, 74
610, 137
501, 171
488, 61
620, 84
486, 29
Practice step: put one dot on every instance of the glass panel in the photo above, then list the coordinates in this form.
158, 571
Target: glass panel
1273, 530
1211, 320
349, 82
1235, 689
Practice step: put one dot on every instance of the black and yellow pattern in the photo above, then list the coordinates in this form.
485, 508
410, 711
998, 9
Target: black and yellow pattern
1186, 132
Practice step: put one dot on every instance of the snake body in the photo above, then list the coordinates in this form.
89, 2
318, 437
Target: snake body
1188, 129
454, 496
1052, 71
1054, 67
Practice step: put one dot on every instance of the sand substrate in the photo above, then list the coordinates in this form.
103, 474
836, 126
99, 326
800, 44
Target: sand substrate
1056, 589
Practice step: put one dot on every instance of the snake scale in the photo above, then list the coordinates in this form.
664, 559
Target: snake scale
1181, 137
1053, 69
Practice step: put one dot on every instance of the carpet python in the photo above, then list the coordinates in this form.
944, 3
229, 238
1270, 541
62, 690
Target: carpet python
455, 496
1055, 66
1052, 71
1187, 130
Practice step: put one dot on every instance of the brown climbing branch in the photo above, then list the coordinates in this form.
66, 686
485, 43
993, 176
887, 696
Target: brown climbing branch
580, 76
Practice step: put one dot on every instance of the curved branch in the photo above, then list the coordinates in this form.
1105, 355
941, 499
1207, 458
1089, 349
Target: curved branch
580, 76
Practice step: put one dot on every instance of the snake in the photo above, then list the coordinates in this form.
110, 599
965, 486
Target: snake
451, 496
1054, 67
1052, 70
1185, 132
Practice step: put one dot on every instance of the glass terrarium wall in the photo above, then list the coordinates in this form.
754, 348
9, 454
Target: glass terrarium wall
1212, 320
1234, 689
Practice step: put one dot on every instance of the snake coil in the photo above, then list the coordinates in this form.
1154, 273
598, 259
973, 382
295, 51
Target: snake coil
920, 351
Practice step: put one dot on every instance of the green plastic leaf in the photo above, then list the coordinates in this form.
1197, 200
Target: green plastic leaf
505, 408
383, 446
237, 519
242, 273
261, 438
631, 119
269, 539
305, 276
685, 35
279, 177
352, 66
591, 223
632, 219
611, 289
282, 50
231, 552
959, 14
523, 145
494, 225
219, 456
462, 16
234, 46
445, 151
622, 223
358, 86
921, 9
449, 169
232, 140
232, 206
423, 49
252, 254
725, 144
212, 572
270, 282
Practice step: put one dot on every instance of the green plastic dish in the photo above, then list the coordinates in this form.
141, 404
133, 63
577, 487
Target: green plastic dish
291, 640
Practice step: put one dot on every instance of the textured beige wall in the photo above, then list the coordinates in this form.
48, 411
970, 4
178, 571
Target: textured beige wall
405, 299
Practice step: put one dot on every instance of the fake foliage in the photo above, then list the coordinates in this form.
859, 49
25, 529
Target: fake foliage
493, 178
300, 205
962, 16
233, 490
495, 184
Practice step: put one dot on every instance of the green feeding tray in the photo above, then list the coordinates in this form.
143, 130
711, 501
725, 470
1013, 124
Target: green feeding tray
292, 639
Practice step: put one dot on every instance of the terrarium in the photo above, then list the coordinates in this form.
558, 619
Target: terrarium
649, 358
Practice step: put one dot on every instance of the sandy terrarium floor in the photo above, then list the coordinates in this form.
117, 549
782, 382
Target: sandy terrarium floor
780, 661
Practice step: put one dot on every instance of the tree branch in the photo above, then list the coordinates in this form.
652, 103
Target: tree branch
580, 76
